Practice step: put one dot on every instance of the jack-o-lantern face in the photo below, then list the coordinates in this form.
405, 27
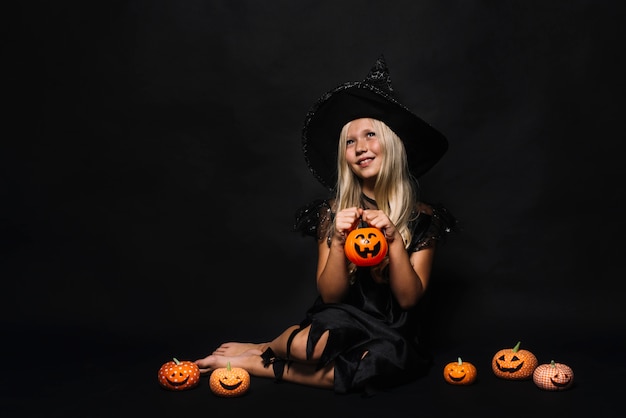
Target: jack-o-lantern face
513, 363
229, 381
366, 246
459, 373
553, 376
179, 375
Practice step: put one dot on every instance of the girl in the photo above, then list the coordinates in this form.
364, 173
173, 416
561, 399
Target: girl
361, 333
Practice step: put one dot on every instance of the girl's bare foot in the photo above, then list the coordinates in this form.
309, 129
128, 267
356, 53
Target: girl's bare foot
235, 348
249, 360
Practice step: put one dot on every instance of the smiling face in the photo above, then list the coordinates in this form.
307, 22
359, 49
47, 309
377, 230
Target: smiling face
553, 376
179, 375
366, 246
460, 373
229, 381
363, 150
514, 364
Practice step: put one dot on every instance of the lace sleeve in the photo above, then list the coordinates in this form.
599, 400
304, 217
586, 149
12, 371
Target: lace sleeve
314, 219
432, 225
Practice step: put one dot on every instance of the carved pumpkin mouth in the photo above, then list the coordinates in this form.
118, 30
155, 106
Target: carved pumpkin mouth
230, 387
364, 253
560, 384
177, 382
510, 369
456, 379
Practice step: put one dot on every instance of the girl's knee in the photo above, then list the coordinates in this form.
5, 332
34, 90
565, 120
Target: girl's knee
328, 377
298, 345
300, 342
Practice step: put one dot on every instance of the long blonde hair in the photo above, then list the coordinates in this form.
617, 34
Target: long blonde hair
395, 189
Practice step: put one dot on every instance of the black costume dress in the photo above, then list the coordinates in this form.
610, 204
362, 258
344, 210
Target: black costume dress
369, 319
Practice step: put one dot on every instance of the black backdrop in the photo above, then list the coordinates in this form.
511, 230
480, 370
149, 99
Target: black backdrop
152, 165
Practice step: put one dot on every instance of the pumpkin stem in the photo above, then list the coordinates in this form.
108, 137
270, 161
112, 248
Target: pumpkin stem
516, 348
552, 364
460, 361
176, 361
228, 366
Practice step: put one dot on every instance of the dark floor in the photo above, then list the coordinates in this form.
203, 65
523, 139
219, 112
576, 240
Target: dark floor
70, 374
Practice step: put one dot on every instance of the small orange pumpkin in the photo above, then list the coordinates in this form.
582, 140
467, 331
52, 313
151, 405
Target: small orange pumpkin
366, 246
553, 376
460, 373
513, 363
229, 381
179, 375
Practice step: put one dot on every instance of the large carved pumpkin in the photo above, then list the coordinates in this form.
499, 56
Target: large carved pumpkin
366, 246
513, 363
179, 375
553, 376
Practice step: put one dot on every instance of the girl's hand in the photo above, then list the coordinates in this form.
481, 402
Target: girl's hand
346, 220
378, 219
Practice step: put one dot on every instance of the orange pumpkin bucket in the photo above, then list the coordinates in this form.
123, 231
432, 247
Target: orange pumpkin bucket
366, 246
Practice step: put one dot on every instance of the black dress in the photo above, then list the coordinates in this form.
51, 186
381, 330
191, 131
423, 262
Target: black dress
369, 319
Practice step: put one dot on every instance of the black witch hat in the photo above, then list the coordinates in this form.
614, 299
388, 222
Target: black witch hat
370, 98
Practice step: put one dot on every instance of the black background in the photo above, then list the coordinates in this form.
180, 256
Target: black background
151, 167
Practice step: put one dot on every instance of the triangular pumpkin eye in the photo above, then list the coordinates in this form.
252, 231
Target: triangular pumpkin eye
515, 358
501, 357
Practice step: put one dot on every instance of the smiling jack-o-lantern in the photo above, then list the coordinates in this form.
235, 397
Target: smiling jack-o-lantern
229, 381
513, 363
179, 375
460, 373
366, 246
553, 376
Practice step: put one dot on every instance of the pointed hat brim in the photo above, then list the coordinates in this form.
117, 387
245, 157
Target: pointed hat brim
370, 98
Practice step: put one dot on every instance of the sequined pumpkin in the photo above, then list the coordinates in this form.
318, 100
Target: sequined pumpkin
179, 375
513, 363
229, 381
553, 376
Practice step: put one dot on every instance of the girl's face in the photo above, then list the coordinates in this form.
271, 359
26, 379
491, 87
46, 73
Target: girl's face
363, 150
